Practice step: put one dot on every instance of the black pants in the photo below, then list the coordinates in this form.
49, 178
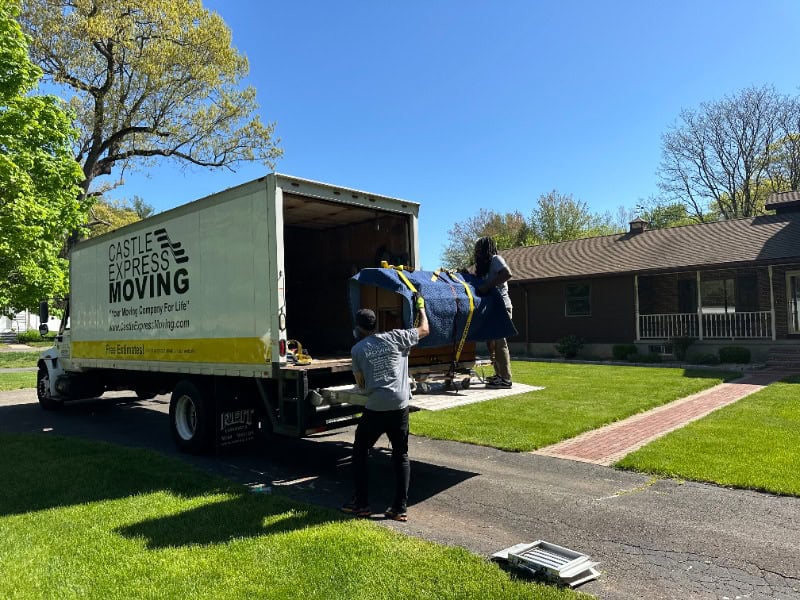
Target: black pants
373, 423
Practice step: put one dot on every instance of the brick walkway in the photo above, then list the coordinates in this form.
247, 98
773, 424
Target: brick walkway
608, 444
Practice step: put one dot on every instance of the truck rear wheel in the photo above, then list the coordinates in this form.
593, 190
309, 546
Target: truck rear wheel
190, 418
46, 401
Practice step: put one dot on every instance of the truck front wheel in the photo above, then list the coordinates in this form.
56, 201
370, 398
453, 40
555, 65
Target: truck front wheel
190, 418
46, 401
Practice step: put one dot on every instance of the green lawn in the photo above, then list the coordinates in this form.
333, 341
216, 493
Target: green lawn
576, 398
17, 381
753, 443
18, 359
89, 520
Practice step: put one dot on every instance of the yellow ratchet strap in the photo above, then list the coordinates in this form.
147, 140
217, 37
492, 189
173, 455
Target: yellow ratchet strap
406, 280
469, 316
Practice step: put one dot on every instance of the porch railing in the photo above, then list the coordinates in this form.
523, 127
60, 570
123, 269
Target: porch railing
744, 325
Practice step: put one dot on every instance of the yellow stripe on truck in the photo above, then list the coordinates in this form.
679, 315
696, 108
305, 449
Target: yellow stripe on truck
200, 350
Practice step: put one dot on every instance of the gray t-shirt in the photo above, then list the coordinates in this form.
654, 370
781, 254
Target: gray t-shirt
383, 360
498, 264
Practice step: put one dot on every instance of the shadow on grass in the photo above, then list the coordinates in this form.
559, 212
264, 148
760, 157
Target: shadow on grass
245, 515
43, 471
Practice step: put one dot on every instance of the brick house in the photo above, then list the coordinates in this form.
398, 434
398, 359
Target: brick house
726, 283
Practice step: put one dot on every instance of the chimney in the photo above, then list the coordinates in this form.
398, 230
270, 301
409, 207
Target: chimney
638, 225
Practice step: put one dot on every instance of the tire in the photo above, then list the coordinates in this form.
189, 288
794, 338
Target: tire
190, 418
46, 401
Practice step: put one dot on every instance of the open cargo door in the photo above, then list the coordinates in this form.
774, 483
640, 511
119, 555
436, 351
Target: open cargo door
326, 243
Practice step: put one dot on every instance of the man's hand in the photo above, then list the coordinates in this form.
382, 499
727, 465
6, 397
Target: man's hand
420, 303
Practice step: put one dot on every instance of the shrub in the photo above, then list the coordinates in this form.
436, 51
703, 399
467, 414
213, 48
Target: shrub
702, 358
622, 351
32, 335
680, 345
651, 357
734, 354
569, 345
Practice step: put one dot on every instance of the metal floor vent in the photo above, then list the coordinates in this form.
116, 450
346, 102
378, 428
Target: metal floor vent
550, 561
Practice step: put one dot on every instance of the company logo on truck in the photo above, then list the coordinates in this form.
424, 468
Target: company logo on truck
146, 266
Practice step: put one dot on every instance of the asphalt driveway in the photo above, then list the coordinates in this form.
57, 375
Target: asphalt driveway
654, 538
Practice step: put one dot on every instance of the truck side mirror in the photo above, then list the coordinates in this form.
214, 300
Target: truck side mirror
44, 316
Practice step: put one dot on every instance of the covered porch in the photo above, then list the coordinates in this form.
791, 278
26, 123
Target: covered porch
754, 303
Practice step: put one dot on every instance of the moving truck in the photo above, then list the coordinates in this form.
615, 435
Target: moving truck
205, 301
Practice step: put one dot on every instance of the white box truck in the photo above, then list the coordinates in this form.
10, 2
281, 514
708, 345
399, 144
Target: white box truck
204, 300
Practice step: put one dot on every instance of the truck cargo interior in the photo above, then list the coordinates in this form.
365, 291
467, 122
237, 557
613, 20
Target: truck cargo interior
325, 244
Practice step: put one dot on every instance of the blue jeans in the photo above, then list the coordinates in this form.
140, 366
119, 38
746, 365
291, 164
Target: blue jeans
374, 423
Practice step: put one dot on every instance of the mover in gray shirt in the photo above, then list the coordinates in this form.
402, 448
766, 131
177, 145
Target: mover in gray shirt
380, 366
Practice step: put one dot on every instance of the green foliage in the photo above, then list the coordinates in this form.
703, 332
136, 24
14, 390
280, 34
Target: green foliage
569, 345
575, 398
149, 79
621, 351
38, 177
509, 230
33, 335
141, 208
702, 358
661, 214
557, 217
753, 443
734, 354
680, 345
109, 215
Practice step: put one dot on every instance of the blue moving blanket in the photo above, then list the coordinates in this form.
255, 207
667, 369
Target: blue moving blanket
446, 303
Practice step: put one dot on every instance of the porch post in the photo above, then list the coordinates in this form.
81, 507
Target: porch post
771, 303
636, 305
699, 309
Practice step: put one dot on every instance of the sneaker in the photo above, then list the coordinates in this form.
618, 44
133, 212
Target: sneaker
396, 514
500, 383
490, 380
352, 508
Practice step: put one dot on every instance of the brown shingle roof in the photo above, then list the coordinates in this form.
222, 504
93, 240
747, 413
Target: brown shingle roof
763, 239
779, 198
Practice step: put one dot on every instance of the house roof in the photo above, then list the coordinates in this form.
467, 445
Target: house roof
781, 199
760, 240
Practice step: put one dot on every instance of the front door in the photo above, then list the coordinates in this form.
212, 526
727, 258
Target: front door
793, 300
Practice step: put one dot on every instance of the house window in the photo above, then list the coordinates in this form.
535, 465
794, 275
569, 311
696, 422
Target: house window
578, 300
718, 296
747, 292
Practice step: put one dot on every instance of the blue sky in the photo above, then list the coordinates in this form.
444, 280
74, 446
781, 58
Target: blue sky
463, 105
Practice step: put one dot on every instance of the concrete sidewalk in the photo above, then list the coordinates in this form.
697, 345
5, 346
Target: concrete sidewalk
607, 445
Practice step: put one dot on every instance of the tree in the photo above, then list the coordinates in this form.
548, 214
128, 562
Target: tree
784, 154
150, 78
141, 208
715, 159
556, 218
660, 214
509, 231
110, 215
559, 217
38, 176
